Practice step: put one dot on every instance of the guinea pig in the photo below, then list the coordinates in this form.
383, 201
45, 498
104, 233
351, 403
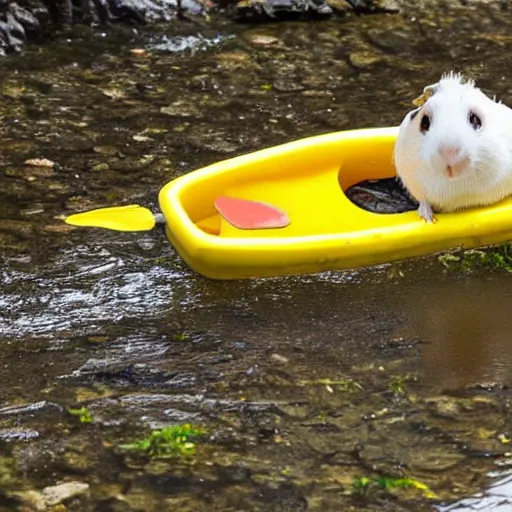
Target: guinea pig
455, 150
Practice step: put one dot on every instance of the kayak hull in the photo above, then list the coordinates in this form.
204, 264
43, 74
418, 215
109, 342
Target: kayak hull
306, 179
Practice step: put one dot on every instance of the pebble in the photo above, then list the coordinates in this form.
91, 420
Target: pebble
262, 39
58, 493
279, 359
339, 5
40, 501
40, 162
364, 59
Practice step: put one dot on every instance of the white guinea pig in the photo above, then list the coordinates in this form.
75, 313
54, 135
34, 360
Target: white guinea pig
455, 150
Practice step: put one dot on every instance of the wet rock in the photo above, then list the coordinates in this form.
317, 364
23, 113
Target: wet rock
77, 462
214, 141
16, 23
12, 89
445, 406
40, 501
40, 162
30, 173
363, 59
58, 493
19, 24
372, 6
114, 93
391, 6
288, 86
254, 9
181, 108
105, 150
436, 459
276, 358
101, 167
318, 94
233, 60
32, 501
157, 467
261, 39
295, 411
340, 6
18, 434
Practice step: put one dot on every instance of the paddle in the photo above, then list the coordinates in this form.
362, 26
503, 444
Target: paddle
118, 218
241, 213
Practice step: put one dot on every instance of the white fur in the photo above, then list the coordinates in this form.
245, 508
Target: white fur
488, 176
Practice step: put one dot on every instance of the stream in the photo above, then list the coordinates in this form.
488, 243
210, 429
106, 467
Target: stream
316, 392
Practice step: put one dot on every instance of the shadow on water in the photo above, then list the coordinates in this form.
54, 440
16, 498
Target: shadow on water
305, 383
466, 325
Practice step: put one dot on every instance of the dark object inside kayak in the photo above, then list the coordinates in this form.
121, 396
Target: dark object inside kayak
386, 195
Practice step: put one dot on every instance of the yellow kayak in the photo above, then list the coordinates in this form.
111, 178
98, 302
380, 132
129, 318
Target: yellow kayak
306, 180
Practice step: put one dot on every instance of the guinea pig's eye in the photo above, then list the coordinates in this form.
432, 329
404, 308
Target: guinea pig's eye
475, 121
425, 123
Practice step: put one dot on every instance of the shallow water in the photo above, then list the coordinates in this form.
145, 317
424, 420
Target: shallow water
117, 322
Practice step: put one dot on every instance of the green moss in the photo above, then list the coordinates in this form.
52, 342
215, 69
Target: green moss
181, 336
398, 384
83, 414
168, 442
498, 257
362, 485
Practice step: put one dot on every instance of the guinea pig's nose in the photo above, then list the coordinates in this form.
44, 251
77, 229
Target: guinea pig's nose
455, 160
451, 154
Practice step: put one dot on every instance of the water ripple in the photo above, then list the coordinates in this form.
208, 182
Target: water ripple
87, 287
192, 43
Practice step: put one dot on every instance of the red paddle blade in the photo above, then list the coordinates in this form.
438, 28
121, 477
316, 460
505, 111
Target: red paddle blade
245, 214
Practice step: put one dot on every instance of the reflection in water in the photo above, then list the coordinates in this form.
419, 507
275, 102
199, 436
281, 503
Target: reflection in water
467, 326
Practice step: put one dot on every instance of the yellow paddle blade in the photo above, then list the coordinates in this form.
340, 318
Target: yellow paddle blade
119, 218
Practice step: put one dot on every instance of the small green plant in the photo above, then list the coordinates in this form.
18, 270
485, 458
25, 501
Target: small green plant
168, 442
266, 87
363, 484
498, 257
398, 384
83, 414
181, 336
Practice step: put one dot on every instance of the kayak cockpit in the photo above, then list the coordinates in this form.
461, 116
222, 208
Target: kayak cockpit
305, 183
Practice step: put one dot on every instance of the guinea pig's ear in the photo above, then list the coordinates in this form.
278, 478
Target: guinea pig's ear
428, 92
